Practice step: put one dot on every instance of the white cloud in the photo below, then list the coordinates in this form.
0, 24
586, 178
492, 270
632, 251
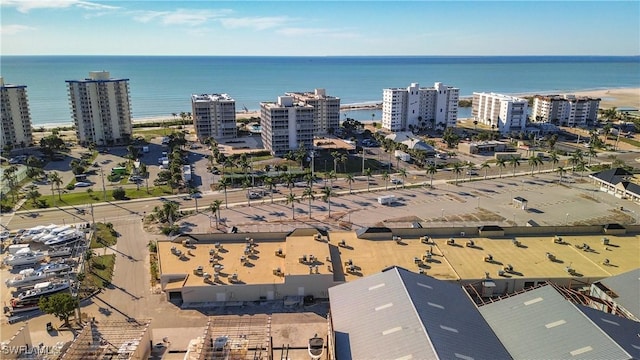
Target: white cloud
25, 6
325, 32
257, 23
180, 17
14, 29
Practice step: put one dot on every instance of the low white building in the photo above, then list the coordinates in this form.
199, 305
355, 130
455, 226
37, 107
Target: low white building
503, 113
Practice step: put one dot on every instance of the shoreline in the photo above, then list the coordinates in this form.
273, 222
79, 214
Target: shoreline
622, 97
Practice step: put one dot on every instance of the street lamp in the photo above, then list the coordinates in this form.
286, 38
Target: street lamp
566, 221
442, 214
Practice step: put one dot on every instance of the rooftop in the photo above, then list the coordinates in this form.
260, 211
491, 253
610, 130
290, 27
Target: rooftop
110, 339
502, 96
448, 262
211, 97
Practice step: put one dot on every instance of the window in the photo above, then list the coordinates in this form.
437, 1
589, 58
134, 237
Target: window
528, 284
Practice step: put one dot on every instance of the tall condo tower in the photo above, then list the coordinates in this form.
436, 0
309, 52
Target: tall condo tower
286, 125
503, 113
100, 108
326, 117
16, 118
214, 115
419, 107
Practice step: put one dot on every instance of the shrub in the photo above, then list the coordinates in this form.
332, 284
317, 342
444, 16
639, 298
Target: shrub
119, 193
70, 186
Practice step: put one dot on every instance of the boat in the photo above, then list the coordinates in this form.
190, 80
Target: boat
59, 251
64, 237
316, 347
26, 277
46, 231
53, 233
43, 289
24, 257
28, 300
54, 268
30, 233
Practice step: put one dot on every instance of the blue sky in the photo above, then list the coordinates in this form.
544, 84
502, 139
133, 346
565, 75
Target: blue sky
317, 28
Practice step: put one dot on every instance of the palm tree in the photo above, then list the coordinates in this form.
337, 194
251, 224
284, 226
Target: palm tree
335, 155
470, 166
432, 169
170, 211
485, 166
290, 180
592, 153
292, 199
457, 169
367, 173
575, 159
385, 177
309, 194
561, 171
554, 158
514, 162
326, 197
270, 184
533, 162
33, 195
215, 209
56, 180
501, 163
332, 175
223, 184
343, 160
403, 174
350, 179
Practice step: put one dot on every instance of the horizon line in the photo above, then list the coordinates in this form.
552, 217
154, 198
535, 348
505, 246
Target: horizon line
318, 56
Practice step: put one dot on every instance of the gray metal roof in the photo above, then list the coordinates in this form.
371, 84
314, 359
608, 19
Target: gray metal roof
627, 288
624, 332
542, 324
397, 314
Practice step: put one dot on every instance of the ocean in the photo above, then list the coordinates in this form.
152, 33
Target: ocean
162, 85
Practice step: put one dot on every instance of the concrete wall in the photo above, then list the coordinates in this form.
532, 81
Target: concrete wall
508, 231
21, 341
312, 284
240, 237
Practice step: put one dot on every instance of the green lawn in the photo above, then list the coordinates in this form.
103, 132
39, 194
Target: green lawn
104, 236
630, 141
84, 198
101, 270
149, 134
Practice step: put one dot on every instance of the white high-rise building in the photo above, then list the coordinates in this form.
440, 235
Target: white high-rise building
100, 109
214, 115
16, 118
502, 112
326, 109
565, 110
286, 125
416, 107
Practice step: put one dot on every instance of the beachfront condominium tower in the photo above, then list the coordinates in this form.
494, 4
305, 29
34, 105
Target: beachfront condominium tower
214, 116
326, 117
565, 110
286, 125
16, 119
418, 107
501, 112
100, 109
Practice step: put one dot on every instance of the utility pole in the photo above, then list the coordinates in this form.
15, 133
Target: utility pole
363, 160
104, 189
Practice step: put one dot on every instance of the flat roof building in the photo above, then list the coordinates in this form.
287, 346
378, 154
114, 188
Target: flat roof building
100, 108
16, 118
326, 109
416, 107
276, 268
286, 125
565, 110
214, 116
503, 113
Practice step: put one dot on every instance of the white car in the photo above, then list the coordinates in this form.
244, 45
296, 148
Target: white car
82, 184
396, 181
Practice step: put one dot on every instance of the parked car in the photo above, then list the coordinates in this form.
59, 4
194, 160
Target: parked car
82, 184
396, 181
472, 172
